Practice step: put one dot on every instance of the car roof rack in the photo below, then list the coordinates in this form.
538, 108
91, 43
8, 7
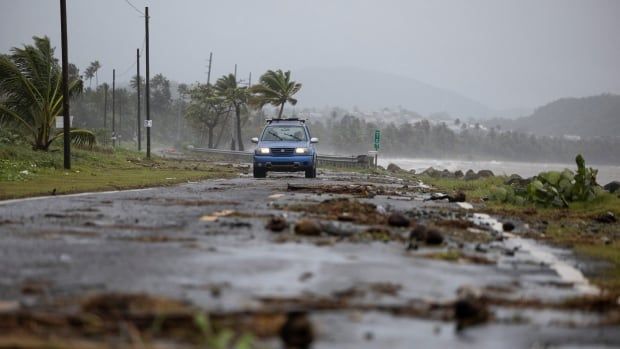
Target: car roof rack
269, 121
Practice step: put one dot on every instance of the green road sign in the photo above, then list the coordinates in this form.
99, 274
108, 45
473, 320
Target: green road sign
377, 139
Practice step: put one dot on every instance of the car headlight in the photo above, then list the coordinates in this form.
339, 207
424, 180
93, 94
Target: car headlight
301, 150
263, 150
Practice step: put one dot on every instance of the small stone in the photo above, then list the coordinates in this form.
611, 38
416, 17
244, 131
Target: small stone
508, 226
307, 227
418, 233
412, 246
458, 197
297, 331
469, 311
480, 248
277, 224
434, 237
607, 217
398, 220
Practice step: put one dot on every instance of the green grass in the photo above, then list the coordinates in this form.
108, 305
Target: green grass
24, 172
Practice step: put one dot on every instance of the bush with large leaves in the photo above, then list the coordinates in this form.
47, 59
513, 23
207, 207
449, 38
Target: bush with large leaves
31, 94
553, 188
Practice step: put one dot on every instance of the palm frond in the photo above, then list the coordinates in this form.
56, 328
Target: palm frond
80, 137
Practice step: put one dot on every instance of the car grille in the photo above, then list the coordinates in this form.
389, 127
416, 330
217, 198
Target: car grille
282, 151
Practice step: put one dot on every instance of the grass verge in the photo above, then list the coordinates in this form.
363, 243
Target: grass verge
576, 227
25, 173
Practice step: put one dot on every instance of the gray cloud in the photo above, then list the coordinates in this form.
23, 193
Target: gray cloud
505, 54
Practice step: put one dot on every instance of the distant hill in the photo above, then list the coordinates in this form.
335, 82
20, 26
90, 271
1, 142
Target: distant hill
367, 89
586, 117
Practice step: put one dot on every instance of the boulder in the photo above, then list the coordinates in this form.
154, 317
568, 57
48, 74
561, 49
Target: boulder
485, 174
394, 168
431, 172
612, 187
471, 175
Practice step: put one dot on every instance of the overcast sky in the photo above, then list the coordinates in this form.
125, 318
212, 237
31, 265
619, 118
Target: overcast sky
505, 54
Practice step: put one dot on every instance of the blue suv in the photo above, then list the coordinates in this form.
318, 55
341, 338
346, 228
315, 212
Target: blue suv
285, 145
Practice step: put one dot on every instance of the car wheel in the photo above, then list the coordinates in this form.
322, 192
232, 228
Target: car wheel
259, 173
311, 173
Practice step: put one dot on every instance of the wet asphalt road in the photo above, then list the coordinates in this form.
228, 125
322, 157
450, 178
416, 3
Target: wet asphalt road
206, 243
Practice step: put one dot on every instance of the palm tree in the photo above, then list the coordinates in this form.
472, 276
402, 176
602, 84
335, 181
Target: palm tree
89, 74
275, 88
30, 86
96, 66
236, 97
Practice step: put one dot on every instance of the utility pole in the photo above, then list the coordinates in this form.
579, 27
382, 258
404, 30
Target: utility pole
209, 71
105, 113
138, 93
66, 119
120, 116
250, 80
235, 71
113, 108
148, 90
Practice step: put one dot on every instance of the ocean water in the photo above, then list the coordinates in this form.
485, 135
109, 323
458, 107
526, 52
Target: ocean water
606, 173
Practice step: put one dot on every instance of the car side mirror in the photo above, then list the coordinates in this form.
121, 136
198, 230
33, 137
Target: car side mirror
254, 139
314, 140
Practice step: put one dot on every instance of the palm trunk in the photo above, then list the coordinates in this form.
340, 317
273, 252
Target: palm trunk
210, 137
238, 116
281, 110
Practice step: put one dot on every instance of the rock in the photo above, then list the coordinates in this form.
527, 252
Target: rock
458, 174
431, 172
485, 174
469, 311
398, 220
480, 248
434, 237
446, 174
471, 175
418, 233
394, 168
412, 171
612, 187
607, 217
307, 227
297, 331
277, 224
508, 226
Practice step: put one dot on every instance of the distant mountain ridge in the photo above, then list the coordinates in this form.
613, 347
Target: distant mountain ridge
594, 116
367, 89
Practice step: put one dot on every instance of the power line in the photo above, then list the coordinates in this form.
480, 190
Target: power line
135, 8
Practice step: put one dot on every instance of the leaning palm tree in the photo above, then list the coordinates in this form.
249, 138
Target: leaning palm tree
31, 94
275, 88
96, 66
89, 74
236, 97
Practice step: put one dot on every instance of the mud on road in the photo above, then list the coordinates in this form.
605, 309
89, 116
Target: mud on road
343, 261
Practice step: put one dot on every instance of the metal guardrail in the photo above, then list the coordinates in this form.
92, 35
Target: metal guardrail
359, 161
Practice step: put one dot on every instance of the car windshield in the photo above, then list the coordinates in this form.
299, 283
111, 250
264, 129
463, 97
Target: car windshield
284, 133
